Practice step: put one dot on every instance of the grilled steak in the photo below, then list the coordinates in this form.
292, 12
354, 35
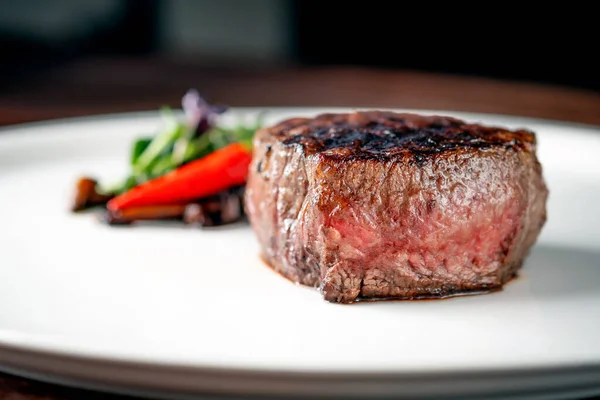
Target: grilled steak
376, 204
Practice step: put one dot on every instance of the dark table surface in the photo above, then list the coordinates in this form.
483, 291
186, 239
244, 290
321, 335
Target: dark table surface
98, 86
104, 86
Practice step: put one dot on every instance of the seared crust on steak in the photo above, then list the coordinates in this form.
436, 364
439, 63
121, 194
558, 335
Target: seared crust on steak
378, 204
384, 135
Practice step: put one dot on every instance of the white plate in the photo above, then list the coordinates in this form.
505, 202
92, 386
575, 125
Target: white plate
167, 309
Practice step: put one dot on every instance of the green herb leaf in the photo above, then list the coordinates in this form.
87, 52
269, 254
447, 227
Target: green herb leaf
198, 148
138, 148
161, 167
160, 144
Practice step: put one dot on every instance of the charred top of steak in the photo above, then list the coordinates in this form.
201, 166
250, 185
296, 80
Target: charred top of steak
385, 134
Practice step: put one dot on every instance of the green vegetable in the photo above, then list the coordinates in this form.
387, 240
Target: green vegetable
220, 137
159, 145
138, 148
181, 146
178, 142
198, 148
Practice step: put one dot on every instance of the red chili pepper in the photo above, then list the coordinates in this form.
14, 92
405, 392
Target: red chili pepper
206, 176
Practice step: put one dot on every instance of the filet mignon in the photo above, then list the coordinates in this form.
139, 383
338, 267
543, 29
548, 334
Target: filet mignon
380, 205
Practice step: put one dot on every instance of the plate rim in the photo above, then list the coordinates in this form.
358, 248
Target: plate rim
155, 379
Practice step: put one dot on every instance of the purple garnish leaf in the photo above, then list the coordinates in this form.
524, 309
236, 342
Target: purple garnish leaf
199, 113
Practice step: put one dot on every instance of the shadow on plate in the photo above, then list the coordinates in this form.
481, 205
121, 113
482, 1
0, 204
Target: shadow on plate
99, 216
176, 224
556, 271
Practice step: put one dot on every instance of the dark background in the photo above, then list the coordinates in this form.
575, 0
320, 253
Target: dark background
553, 45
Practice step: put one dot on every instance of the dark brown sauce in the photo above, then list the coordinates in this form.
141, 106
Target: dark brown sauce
430, 297
424, 297
446, 296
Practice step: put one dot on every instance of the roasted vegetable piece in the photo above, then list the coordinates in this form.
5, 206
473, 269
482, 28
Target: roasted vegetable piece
201, 178
145, 213
222, 209
87, 196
